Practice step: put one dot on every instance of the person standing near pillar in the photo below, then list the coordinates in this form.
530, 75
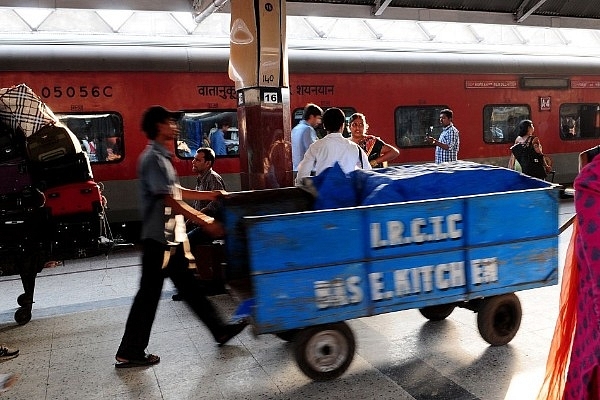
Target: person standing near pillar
304, 134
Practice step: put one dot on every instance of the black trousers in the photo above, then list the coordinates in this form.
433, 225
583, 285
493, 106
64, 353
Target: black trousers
143, 310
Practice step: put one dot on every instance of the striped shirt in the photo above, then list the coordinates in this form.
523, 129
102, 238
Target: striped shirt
209, 180
450, 137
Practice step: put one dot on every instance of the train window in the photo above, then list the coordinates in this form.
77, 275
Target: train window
215, 129
414, 123
297, 117
500, 122
101, 134
579, 121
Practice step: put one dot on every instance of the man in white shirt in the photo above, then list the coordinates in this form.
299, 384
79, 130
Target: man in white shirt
324, 153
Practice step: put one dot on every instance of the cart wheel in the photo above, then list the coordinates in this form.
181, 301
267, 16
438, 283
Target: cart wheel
23, 315
325, 352
288, 336
24, 300
499, 318
437, 313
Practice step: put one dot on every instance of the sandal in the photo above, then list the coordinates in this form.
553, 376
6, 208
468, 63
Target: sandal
149, 359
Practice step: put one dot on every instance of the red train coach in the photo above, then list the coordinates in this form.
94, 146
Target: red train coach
101, 92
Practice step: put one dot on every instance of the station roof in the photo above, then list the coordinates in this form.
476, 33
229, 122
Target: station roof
549, 28
548, 13
551, 13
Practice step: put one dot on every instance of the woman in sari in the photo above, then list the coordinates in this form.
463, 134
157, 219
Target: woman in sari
378, 152
573, 367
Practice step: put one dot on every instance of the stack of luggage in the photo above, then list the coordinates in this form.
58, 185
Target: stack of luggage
50, 206
46, 178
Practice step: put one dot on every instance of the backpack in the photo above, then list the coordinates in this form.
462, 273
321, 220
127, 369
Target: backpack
532, 162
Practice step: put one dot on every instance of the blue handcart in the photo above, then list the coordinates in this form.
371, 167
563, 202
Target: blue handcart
302, 272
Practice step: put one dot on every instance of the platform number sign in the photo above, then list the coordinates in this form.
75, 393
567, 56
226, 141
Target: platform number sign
545, 103
270, 95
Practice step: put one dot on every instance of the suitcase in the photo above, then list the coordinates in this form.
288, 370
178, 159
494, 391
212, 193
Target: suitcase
22, 109
14, 175
23, 230
9, 148
12, 143
27, 199
52, 142
74, 198
77, 235
68, 169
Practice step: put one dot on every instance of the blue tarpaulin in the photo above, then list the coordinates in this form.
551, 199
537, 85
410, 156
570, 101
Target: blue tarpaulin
415, 182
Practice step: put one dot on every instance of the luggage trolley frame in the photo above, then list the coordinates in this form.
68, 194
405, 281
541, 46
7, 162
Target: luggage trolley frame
23, 250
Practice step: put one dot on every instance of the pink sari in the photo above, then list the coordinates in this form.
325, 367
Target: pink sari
576, 339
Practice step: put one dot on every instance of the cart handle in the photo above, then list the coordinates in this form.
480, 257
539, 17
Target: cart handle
567, 224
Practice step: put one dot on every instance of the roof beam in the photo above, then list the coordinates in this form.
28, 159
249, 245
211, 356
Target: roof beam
315, 28
373, 31
139, 5
380, 6
521, 14
200, 12
425, 32
526, 15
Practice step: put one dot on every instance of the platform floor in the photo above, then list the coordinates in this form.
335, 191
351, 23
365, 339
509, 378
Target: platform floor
68, 348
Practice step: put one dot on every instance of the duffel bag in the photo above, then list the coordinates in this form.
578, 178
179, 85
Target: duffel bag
22, 109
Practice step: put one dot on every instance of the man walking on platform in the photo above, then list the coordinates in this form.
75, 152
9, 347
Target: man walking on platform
163, 234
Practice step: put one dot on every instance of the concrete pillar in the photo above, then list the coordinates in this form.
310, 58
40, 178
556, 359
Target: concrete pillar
258, 66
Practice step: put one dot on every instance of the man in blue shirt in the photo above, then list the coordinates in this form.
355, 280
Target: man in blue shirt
304, 134
217, 139
163, 235
448, 143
